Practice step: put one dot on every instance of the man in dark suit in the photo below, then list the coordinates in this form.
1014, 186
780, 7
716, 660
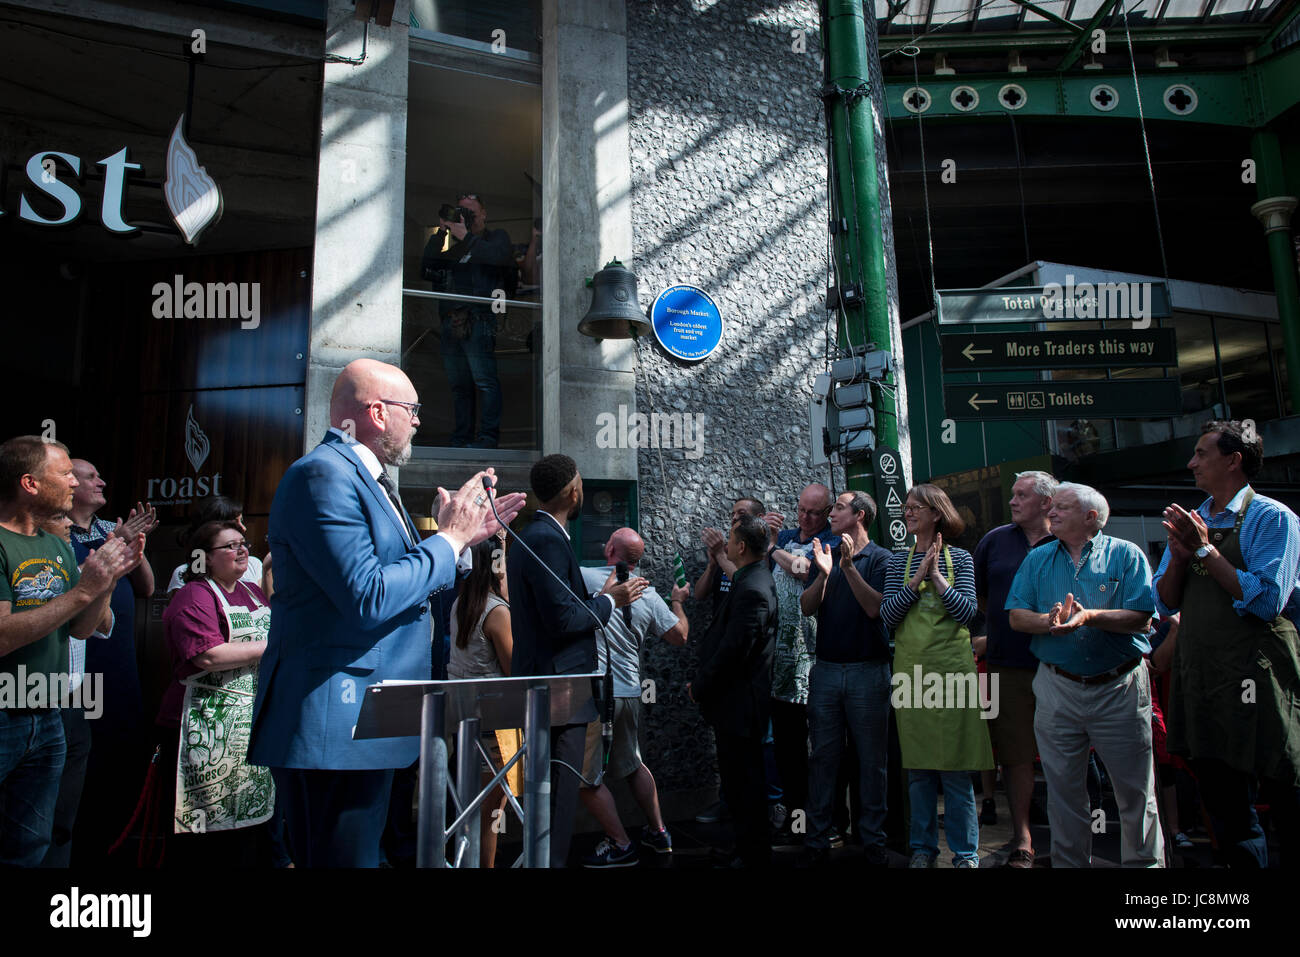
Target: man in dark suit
553, 630
733, 685
351, 608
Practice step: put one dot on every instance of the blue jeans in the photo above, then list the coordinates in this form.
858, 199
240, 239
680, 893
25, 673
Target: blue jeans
960, 822
855, 695
471, 366
32, 750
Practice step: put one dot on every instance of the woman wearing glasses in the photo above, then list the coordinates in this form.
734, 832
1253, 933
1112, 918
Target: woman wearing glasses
216, 628
929, 600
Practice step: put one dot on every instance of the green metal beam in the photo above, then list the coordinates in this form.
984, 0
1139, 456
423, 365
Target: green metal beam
1048, 15
1247, 98
1076, 47
1225, 36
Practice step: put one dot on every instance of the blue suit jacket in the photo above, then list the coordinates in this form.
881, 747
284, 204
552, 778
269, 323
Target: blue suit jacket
351, 607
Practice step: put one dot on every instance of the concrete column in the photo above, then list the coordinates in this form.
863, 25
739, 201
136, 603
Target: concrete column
356, 307
587, 180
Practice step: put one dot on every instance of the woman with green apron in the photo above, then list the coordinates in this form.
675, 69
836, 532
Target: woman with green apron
929, 600
216, 628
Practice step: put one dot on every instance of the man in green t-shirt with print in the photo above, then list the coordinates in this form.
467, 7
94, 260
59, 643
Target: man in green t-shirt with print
43, 601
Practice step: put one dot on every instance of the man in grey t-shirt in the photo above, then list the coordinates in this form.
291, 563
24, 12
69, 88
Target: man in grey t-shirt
649, 616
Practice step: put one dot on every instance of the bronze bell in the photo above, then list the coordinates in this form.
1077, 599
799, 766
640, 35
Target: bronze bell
615, 312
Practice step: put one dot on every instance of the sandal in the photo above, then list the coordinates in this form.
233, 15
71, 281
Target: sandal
1021, 858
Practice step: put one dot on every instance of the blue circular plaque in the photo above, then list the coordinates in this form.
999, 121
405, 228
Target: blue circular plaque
687, 322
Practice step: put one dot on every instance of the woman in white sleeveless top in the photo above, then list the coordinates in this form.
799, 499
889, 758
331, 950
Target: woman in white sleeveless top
481, 646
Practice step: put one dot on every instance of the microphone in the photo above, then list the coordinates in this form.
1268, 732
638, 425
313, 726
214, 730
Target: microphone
606, 685
620, 570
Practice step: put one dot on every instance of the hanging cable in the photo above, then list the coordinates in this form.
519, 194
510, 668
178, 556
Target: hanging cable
1146, 146
1020, 182
925, 190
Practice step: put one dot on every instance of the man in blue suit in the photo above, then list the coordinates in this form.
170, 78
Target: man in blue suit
351, 608
553, 624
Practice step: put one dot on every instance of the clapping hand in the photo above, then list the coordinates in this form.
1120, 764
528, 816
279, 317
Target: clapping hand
467, 517
714, 543
932, 556
1066, 616
775, 522
141, 520
1187, 528
821, 556
846, 554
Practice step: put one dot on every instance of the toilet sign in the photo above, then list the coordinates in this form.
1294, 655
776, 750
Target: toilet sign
891, 489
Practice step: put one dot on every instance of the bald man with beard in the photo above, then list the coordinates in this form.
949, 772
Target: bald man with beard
649, 617
353, 583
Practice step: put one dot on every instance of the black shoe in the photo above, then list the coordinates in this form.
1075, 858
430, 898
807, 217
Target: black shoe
989, 812
875, 857
836, 838
609, 854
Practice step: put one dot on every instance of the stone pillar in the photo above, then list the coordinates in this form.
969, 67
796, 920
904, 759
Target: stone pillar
587, 180
356, 302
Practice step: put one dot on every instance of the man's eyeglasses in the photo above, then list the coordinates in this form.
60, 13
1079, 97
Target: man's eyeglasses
814, 511
411, 407
464, 196
231, 547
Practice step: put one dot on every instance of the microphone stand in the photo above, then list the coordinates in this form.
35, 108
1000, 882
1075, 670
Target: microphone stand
607, 682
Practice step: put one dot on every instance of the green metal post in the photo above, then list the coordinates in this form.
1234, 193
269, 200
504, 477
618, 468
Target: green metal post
1274, 210
849, 34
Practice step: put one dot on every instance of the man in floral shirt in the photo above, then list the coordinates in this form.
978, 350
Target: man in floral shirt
796, 641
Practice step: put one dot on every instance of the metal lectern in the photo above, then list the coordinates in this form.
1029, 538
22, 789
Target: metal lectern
393, 709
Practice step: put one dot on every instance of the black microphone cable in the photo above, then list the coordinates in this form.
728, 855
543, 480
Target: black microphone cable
606, 683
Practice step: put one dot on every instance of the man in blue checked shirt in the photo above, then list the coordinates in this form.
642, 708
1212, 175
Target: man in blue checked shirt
1086, 599
1234, 708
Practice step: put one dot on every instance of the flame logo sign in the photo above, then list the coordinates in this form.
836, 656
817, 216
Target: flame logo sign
197, 445
192, 195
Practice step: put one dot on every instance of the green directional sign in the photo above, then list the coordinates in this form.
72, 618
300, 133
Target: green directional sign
1137, 302
1034, 351
1078, 399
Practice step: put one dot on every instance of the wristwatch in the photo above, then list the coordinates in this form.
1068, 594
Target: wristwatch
1204, 550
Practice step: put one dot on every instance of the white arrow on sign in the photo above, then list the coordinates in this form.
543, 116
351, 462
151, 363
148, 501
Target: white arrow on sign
970, 352
975, 401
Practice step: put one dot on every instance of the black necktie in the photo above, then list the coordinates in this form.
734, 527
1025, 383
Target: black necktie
387, 485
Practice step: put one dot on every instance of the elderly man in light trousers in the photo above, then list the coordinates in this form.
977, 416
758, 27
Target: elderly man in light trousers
1086, 599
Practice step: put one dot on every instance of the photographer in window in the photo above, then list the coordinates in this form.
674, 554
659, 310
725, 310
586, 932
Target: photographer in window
478, 262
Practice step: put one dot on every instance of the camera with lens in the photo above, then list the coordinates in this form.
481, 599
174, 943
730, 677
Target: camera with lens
456, 214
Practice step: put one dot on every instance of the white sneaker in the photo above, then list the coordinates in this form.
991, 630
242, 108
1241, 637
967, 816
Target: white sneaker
965, 863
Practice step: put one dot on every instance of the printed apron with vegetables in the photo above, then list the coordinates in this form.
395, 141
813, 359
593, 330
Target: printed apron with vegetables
216, 789
942, 737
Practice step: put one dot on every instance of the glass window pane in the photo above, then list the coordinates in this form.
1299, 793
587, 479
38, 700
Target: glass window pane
1247, 375
473, 153
477, 19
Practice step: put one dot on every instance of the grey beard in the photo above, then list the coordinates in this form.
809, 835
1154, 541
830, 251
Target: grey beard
393, 456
